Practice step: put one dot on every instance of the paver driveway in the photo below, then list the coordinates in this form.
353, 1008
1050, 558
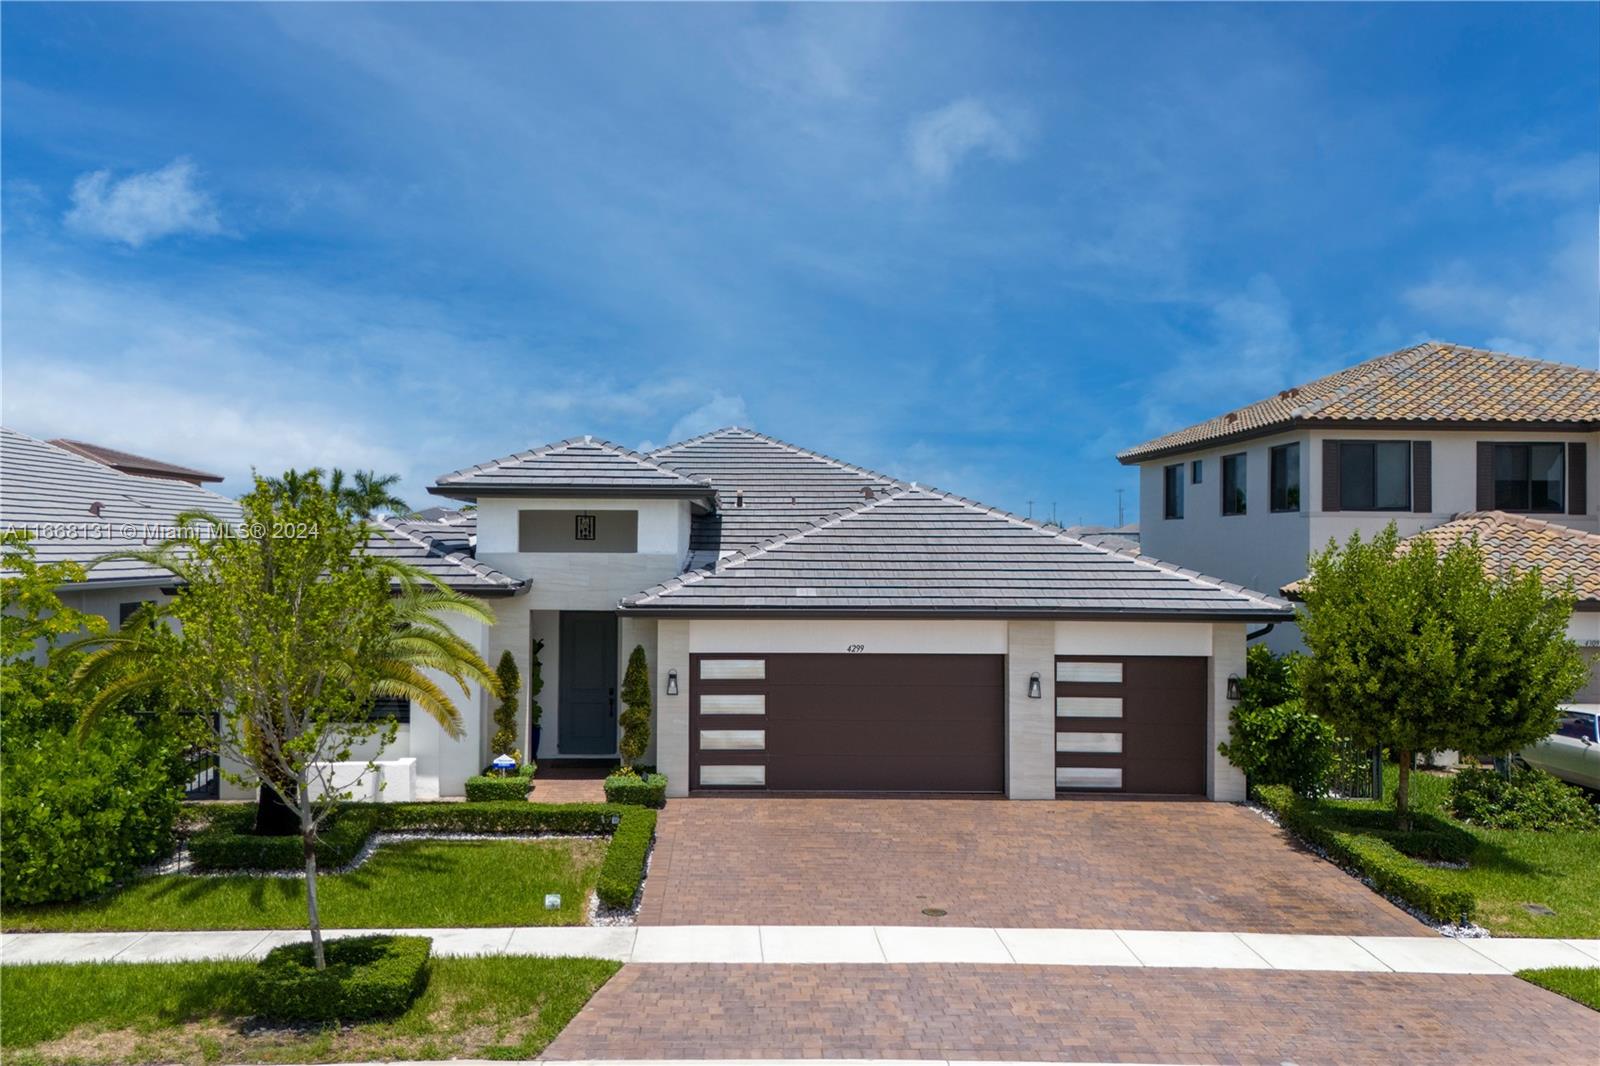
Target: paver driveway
1097, 864
1076, 1014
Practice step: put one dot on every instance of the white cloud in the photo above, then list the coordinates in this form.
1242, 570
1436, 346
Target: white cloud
719, 411
142, 207
937, 141
1573, 179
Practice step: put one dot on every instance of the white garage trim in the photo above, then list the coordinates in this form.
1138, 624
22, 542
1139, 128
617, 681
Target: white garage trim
957, 636
1133, 638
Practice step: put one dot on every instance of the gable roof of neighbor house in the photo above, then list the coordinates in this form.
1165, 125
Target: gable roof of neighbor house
1514, 543
79, 509
919, 552
443, 548
1427, 385
765, 487
140, 465
569, 467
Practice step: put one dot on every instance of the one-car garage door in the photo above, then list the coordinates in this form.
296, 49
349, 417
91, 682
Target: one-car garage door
848, 723
1131, 724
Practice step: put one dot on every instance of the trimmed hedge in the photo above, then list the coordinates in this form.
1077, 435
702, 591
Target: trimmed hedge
647, 791
488, 788
1376, 854
366, 977
227, 843
623, 871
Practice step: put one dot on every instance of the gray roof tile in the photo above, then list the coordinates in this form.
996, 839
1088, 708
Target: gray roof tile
580, 466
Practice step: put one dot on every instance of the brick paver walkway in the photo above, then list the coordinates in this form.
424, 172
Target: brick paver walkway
1096, 1015
1098, 865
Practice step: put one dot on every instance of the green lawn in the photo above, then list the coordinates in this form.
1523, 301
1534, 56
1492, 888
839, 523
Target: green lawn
1574, 982
500, 1007
1558, 870
416, 883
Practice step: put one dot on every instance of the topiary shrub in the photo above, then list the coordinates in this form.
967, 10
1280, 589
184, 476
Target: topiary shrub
493, 787
647, 791
366, 977
504, 740
635, 719
1530, 799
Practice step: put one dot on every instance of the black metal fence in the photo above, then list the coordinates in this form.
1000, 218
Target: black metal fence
1358, 772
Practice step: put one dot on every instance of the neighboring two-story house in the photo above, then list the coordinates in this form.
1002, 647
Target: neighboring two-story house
1417, 437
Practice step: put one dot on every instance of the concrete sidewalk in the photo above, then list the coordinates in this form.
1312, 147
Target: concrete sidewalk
781, 945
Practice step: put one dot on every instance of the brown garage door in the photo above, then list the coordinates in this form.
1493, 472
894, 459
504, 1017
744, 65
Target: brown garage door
848, 723
1131, 724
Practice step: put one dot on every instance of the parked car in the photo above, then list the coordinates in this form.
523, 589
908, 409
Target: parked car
1572, 752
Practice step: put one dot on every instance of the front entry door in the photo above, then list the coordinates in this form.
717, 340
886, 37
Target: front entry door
588, 709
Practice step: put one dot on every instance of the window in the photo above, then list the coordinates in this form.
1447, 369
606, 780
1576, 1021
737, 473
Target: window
125, 611
1528, 477
1233, 484
1197, 471
1375, 475
396, 707
1577, 725
1173, 494
1286, 477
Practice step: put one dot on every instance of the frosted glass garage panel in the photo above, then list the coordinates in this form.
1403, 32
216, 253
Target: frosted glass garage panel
730, 704
733, 775
733, 739
1088, 777
1090, 743
1089, 706
1097, 673
733, 669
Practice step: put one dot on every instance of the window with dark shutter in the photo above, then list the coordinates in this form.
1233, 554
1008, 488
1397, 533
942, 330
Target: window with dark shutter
1422, 476
1577, 478
1485, 477
1529, 477
1374, 475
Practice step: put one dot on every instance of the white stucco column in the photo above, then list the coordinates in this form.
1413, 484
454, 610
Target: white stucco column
1224, 781
672, 711
1030, 723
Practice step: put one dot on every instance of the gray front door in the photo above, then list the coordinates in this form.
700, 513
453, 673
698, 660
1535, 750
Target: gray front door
588, 710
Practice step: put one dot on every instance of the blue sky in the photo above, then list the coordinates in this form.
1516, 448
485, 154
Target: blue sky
981, 247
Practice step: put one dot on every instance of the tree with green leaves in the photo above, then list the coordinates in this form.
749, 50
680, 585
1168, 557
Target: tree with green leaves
287, 627
635, 720
1416, 650
504, 740
364, 494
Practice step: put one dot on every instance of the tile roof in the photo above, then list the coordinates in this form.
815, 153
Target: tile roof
1518, 543
129, 463
918, 552
581, 465
1428, 383
765, 487
79, 509
444, 548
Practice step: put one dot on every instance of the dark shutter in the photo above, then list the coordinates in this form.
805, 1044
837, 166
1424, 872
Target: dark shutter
1330, 475
1422, 476
1577, 478
1485, 476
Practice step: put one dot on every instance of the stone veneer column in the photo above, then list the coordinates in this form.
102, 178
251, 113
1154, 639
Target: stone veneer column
1030, 723
672, 712
1224, 781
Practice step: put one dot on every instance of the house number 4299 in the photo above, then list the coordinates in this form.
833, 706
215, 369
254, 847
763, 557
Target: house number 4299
855, 647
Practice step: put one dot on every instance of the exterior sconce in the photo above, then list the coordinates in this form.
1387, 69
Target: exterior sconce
1033, 687
672, 682
1233, 687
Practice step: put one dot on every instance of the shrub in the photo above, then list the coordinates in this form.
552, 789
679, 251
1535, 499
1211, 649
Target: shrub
1372, 856
228, 844
504, 740
77, 818
623, 870
490, 787
1530, 799
366, 977
647, 791
1272, 737
635, 719
502, 817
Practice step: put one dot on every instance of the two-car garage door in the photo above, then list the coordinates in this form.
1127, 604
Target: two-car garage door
936, 723
848, 723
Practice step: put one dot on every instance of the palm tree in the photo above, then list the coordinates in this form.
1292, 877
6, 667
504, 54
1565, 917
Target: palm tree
369, 493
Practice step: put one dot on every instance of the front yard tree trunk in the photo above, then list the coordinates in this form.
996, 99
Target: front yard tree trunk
308, 841
1402, 793
274, 816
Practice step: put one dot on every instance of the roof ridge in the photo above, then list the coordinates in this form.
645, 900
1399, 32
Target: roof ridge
776, 442
620, 450
1512, 518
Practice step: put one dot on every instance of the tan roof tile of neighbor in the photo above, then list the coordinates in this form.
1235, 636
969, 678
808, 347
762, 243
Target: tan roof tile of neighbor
1432, 382
1518, 543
